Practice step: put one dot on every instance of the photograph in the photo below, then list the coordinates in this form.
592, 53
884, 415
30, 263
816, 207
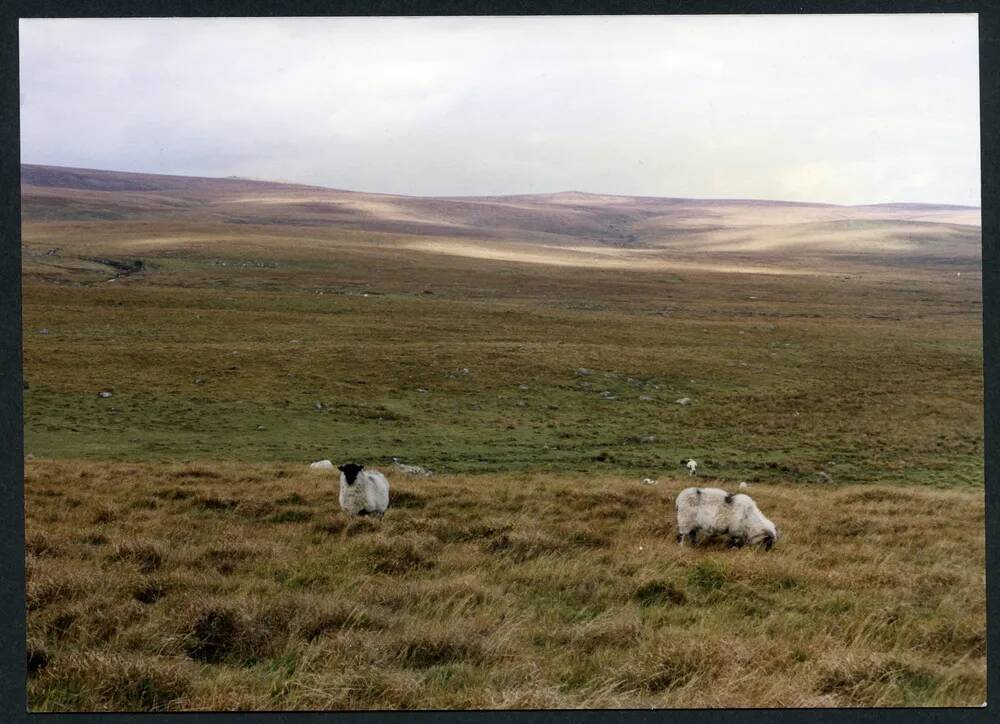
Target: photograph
606, 362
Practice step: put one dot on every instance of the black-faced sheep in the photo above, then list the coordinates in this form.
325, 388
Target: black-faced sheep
704, 513
363, 492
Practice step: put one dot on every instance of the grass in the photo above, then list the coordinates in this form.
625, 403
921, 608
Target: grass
777, 393
545, 591
181, 556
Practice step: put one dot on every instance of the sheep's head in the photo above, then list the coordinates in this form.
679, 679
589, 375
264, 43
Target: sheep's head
350, 472
766, 536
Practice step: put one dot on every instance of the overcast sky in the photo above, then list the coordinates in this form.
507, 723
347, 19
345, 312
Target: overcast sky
844, 109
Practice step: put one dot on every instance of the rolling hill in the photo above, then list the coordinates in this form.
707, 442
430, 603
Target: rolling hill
567, 228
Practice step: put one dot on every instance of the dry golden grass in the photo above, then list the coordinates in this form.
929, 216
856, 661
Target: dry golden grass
228, 586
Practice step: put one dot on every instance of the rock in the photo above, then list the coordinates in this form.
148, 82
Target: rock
421, 390
648, 439
199, 380
521, 403
583, 371
683, 401
523, 387
321, 465
43, 330
744, 485
823, 477
104, 393
295, 341
260, 427
318, 406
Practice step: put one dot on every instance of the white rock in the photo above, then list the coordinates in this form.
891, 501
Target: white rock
104, 393
683, 401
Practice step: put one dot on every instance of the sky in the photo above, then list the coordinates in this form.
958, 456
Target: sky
843, 109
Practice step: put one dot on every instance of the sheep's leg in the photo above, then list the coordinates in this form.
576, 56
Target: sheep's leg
736, 542
693, 536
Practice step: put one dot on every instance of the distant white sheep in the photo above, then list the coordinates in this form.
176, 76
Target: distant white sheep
744, 485
410, 469
704, 513
363, 492
692, 467
321, 465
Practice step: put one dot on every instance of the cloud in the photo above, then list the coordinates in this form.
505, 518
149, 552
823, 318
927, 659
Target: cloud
849, 109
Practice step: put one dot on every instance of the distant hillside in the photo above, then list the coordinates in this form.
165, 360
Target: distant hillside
562, 223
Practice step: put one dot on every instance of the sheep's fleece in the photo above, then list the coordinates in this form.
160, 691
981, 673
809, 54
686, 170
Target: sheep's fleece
363, 492
704, 513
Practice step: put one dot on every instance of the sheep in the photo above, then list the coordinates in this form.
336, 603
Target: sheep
744, 485
692, 466
410, 469
321, 465
363, 492
713, 512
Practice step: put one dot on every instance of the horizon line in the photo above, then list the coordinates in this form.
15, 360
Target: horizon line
504, 195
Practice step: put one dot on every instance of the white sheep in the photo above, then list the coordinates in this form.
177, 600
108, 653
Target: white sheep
363, 492
321, 465
410, 469
692, 467
709, 512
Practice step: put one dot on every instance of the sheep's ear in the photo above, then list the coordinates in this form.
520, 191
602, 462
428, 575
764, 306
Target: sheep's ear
361, 467
340, 468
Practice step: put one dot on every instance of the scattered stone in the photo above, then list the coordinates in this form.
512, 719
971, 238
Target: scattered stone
43, 330
421, 390
683, 401
823, 477
260, 427
583, 371
521, 403
295, 341
104, 393
199, 380
647, 439
523, 387
318, 406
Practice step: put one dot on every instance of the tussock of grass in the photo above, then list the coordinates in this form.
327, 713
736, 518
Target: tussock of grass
491, 603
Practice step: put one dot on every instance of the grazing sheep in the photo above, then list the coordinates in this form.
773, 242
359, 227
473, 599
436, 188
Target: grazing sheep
363, 492
410, 469
321, 465
711, 512
692, 467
